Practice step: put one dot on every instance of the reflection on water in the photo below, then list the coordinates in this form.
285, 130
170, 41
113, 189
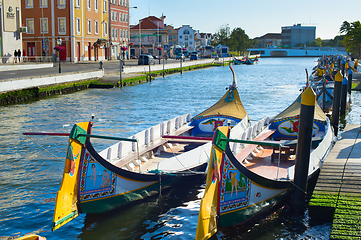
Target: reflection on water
31, 168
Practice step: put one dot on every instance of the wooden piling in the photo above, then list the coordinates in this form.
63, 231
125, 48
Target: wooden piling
349, 83
343, 96
303, 150
336, 102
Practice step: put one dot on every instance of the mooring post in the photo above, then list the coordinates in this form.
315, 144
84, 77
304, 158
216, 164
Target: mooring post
349, 82
343, 96
181, 64
163, 66
304, 140
120, 72
324, 94
336, 102
339, 62
343, 67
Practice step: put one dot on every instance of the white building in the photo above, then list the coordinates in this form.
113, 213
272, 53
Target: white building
186, 37
10, 33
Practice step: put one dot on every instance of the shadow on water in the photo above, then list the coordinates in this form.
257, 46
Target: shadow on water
146, 216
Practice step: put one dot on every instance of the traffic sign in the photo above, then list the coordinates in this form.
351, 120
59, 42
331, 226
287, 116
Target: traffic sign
166, 47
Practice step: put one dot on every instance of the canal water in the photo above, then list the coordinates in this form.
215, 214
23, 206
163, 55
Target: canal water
31, 168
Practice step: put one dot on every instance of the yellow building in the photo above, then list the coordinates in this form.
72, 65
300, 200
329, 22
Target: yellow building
82, 26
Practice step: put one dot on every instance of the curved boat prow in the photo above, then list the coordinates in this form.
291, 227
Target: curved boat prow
234, 84
208, 211
67, 197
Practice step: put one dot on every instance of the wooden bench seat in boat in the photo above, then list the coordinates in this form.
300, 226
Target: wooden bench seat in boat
289, 147
249, 148
157, 142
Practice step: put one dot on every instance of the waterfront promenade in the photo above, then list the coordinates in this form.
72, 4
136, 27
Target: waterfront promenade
336, 196
23, 76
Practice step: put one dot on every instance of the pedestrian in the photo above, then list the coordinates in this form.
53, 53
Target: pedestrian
15, 56
24, 56
19, 55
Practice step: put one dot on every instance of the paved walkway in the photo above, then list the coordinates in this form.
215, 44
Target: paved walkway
338, 189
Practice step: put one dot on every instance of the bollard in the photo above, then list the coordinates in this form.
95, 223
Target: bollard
349, 83
336, 102
181, 65
163, 66
303, 150
100, 65
343, 96
120, 72
343, 67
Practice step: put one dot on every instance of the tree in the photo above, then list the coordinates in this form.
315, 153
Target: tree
239, 40
315, 43
352, 38
222, 36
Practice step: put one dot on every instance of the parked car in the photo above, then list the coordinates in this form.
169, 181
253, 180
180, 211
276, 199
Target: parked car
180, 56
194, 57
146, 60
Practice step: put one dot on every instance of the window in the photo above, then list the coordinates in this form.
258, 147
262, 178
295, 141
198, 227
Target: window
88, 4
170, 37
77, 3
126, 17
180, 37
123, 17
116, 16
186, 38
89, 26
105, 28
105, 6
120, 33
126, 34
120, 17
44, 25
29, 4
96, 27
62, 25
78, 25
116, 34
125, 2
120, 2
96, 5
43, 3
186, 32
30, 25
62, 3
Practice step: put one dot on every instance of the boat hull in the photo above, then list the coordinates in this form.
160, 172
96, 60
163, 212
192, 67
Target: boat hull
245, 214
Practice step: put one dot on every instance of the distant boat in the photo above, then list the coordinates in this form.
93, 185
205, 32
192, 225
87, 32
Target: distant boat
243, 184
140, 166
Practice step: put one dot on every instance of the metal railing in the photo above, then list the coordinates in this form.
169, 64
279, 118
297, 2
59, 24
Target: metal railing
27, 59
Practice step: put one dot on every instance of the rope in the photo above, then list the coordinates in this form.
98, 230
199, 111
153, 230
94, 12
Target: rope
44, 148
180, 161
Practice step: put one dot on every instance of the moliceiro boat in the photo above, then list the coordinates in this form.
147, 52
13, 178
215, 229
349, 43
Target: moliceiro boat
242, 184
142, 165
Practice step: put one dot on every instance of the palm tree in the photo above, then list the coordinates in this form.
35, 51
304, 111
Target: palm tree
352, 39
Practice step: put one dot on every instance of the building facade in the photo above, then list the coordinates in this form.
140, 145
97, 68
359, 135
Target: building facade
148, 36
269, 40
10, 30
119, 29
297, 34
186, 37
82, 26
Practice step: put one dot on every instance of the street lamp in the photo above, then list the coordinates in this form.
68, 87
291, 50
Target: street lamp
59, 43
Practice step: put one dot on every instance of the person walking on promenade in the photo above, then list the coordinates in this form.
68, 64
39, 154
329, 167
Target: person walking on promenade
15, 56
19, 55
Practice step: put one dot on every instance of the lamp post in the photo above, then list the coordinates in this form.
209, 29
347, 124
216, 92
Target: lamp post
58, 41
140, 37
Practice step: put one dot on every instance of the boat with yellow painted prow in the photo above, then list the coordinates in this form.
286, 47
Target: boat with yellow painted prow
242, 184
31, 237
141, 165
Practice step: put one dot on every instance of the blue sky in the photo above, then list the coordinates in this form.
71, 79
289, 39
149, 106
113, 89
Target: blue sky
256, 17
